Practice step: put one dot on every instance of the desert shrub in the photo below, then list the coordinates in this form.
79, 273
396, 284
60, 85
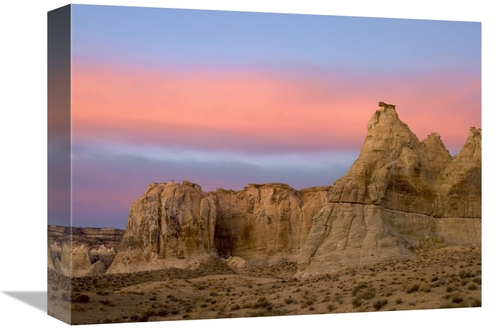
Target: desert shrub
162, 312
476, 303
465, 274
262, 302
357, 288
81, 299
76, 307
356, 302
412, 288
289, 300
464, 282
363, 291
438, 283
304, 304
235, 307
330, 307
425, 287
367, 294
379, 304
146, 315
457, 299
399, 301
108, 302
472, 286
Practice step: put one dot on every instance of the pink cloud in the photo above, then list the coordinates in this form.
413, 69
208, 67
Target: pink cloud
264, 111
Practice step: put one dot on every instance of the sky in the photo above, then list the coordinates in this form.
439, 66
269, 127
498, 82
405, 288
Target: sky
224, 99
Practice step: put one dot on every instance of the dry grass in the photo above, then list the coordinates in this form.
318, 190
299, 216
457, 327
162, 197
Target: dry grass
445, 278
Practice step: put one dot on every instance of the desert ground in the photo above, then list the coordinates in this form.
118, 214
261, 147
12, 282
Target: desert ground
447, 277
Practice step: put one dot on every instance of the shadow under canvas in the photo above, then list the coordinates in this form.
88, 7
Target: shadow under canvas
37, 299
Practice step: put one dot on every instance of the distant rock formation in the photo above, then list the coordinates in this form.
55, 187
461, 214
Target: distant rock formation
81, 251
401, 196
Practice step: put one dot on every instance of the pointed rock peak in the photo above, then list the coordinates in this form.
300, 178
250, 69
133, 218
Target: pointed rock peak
433, 139
436, 150
434, 136
386, 115
383, 106
472, 148
475, 133
474, 138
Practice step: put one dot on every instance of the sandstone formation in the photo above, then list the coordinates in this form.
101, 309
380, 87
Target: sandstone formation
79, 260
398, 193
401, 197
50, 262
79, 251
178, 225
75, 261
170, 225
237, 264
458, 186
265, 223
103, 255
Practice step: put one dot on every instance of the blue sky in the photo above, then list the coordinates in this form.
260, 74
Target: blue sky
153, 36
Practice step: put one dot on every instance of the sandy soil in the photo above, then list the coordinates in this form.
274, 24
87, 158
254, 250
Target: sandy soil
444, 278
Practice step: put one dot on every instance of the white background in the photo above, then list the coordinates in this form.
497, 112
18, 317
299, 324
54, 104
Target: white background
23, 161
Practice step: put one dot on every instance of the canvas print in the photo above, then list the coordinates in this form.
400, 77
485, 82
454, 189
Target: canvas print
213, 164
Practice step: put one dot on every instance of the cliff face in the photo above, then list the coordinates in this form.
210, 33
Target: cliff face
170, 225
266, 223
400, 195
178, 225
